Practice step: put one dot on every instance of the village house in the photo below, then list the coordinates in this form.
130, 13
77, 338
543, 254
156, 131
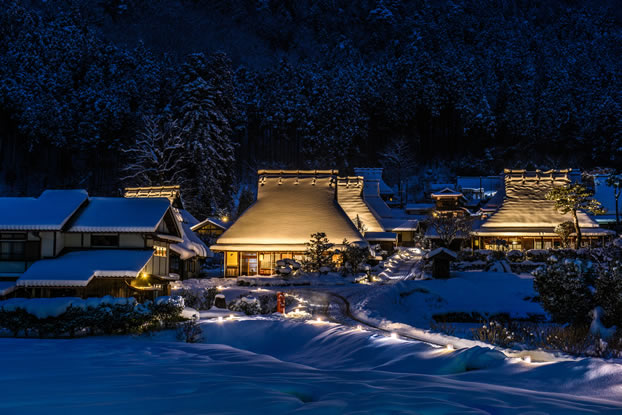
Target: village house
65, 243
291, 205
520, 217
186, 257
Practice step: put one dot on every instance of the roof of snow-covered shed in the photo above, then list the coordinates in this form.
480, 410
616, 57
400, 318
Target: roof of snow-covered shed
119, 214
50, 211
291, 205
171, 192
77, 269
216, 222
525, 206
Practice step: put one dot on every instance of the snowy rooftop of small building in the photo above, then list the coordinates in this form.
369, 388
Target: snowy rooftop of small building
446, 192
214, 221
192, 245
171, 192
50, 211
525, 206
119, 214
290, 206
381, 236
441, 251
77, 269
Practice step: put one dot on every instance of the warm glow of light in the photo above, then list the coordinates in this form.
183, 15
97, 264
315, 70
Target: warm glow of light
297, 310
219, 318
527, 359
231, 316
450, 347
225, 219
394, 335
319, 319
359, 328
219, 288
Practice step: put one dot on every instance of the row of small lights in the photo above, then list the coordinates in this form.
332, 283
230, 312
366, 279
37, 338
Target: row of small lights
449, 347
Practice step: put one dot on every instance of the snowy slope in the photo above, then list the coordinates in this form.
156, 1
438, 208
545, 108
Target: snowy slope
275, 366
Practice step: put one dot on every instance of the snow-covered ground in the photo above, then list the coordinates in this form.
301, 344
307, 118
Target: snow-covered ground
272, 365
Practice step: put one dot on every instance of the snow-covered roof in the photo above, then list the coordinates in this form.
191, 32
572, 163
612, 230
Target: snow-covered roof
390, 219
191, 244
374, 175
440, 186
439, 251
525, 207
290, 206
446, 192
214, 221
420, 206
350, 198
119, 214
381, 236
77, 269
50, 211
171, 192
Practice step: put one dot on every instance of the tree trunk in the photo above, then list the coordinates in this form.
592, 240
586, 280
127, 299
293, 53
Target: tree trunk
617, 196
577, 229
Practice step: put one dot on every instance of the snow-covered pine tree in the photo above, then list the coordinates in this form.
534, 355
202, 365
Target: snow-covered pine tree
317, 255
202, 108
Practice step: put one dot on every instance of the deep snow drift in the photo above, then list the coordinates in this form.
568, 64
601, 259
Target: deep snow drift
274, 365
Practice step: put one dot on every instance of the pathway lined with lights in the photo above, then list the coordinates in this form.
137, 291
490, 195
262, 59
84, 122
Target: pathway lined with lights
449, 342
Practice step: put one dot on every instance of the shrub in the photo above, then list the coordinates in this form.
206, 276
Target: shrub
494, 333
564, 289
248, 305
189, 332
537, 255
353, 258
69, 316
609, 294
515, 255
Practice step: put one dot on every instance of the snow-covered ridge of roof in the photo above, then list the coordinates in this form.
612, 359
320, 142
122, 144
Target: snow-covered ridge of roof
50, 211
441, 250
289, 208
119, 214
171, 192
446, 192
77, 269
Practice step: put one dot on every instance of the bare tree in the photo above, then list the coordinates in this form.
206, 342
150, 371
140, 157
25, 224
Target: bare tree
450, 227
158, 156
615, 181
398, 158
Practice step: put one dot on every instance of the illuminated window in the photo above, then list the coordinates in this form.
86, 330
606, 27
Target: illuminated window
232, 259
159, 251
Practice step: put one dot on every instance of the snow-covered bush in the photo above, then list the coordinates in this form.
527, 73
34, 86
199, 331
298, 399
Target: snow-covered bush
515, 255
494, 333
565, 289
189, 332
537, 255
353, 258
609, 294
199, 299
248, 305
69, 316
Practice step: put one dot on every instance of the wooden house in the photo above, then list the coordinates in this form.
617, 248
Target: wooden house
64, 243
291, 205
186, 257
522, 218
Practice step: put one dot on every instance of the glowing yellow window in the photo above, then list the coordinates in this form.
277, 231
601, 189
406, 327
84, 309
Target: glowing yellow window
232, 259
159, 251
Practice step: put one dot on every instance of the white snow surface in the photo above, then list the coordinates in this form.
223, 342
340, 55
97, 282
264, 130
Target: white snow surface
121, 214
79, 267
283, 366
50, 211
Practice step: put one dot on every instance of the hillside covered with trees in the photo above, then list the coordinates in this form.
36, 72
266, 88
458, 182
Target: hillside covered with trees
104, 93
